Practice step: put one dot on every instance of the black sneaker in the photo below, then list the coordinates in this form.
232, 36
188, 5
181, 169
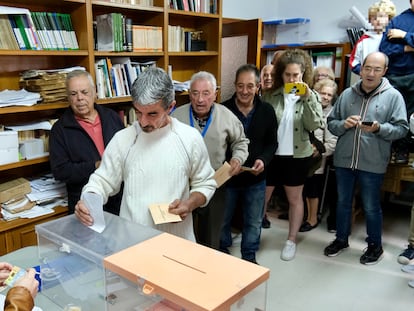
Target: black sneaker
335, 248
265, 222
407, 256
372, 255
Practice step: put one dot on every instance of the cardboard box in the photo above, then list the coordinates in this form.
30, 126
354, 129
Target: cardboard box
10, 155
14, 189
9, 147
32, 148
187, 276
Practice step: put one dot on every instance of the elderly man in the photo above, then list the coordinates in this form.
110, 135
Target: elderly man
159, 159
222, 132
367, 117
78, 139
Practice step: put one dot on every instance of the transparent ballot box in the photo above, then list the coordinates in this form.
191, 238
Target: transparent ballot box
171, 273
71, 261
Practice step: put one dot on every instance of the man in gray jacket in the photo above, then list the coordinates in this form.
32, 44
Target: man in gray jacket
367, 117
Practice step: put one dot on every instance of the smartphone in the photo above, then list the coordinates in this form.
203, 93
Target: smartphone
297, 88
368, 123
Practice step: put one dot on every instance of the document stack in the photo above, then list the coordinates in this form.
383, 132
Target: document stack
49, 83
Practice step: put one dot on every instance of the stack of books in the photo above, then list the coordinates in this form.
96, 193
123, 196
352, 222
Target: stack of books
114, 32
50, 86
115, 76
201, 6
25, 30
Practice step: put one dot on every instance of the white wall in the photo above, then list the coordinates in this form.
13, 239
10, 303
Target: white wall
329, 18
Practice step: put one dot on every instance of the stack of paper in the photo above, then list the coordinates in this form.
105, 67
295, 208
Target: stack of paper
45, 195
46, 189
181, 86
18, 98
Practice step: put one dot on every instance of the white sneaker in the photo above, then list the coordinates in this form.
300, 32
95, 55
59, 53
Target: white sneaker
289, 251
408, 268
411, 283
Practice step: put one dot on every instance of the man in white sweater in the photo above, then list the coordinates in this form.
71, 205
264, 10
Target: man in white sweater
159, 160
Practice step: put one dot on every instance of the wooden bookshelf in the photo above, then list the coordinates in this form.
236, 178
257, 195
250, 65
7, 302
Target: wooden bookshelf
83, 13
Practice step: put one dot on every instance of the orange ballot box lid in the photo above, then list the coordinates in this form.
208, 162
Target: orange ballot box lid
190, 275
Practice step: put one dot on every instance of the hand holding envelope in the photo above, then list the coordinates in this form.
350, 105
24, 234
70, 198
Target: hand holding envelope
222, 174
161, 215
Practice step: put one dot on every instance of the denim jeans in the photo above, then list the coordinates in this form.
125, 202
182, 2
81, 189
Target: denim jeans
370, 191
251, 200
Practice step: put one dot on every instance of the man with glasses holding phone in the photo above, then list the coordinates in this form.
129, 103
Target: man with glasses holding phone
367, 117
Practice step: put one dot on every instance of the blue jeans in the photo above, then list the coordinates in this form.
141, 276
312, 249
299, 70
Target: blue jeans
251, 200
370, 191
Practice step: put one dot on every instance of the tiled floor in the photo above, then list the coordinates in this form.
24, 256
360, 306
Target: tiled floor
313, 281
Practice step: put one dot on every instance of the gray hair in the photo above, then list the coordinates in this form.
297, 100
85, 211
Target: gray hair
153, 85
204, 75
248, 68
79, 73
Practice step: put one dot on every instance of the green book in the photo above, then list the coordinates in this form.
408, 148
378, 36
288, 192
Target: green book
21, 25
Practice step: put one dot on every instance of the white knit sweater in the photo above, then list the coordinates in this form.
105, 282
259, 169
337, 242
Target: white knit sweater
156, 167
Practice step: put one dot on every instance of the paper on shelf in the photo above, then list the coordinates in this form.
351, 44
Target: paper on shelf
18, 98
34, 212
42, 125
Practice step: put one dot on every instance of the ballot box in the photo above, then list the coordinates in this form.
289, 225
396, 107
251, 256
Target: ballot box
71, 261
171, 273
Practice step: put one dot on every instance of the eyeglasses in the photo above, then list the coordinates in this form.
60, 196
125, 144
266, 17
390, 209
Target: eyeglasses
368, 69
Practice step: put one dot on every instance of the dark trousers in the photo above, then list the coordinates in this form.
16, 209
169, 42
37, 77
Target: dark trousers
208, 220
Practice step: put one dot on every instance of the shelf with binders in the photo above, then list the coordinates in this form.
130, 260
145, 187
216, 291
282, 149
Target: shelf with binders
116, 28
193, 7
208, 26
114, 47
45, 25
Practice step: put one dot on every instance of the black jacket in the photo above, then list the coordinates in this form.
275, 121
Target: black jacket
262, 134
73, 153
